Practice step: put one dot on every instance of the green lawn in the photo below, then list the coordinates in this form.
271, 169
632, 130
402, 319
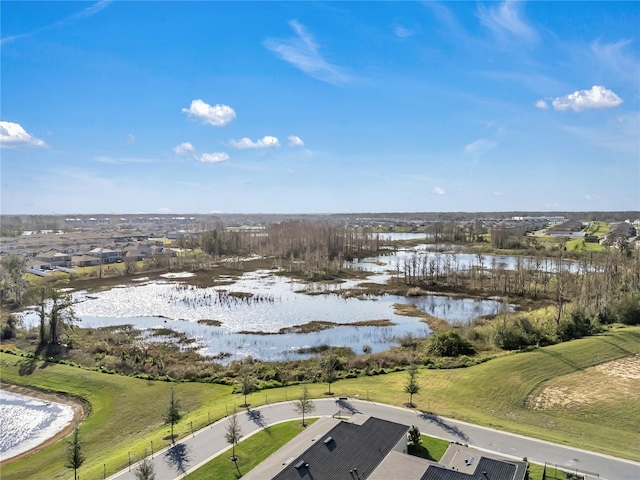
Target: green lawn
250, 452
598, 228
127, 413
431, 448
126, 416
579, 245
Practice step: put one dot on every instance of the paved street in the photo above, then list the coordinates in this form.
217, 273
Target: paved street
191, 452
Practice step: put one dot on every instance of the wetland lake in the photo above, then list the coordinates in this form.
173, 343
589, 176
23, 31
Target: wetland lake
253, 314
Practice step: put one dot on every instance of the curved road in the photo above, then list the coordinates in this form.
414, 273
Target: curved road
195, 450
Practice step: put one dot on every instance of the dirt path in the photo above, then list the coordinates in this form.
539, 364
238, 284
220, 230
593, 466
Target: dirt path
80, 411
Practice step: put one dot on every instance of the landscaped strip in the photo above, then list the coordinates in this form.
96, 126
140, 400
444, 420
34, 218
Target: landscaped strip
250, 452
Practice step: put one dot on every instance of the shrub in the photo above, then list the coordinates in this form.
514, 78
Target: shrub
407, 340
449, 344
576, 325
627, 310
414, 435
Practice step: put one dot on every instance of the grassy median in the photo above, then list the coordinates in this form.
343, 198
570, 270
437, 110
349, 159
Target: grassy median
250, 452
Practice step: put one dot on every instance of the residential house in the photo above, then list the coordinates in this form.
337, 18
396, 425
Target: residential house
368, 448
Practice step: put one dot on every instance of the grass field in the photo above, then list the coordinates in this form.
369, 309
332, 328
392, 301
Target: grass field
598, 228
250, 452
579, 245
127, 413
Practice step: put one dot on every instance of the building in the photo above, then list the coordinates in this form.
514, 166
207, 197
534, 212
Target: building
369, 448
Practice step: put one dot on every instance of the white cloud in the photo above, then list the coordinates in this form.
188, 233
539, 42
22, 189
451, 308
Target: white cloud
597, 97
615, 135
616, 60
131, 139
13, 135
303, 53
264, 142
402, 32
480, 147
184, 149
438, 191
295, 141
87, 12
121, 160
217, 115
215, 157
542, 105
497, 194
505, 19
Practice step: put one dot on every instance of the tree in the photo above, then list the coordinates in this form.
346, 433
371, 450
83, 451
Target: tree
233, 434
414, 436
304, 405
412, 386
55, 307
75, 458
329, 371
172, 416
61, 313
247, 386
145, 470
12, 269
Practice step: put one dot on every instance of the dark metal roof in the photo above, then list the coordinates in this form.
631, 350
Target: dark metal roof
487, 469
353, 453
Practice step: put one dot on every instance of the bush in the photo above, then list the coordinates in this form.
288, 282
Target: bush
627, 310
407, 340
414, 436
449, 344
577, 325
9, 329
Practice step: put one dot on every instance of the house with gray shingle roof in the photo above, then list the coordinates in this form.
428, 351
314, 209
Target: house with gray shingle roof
368, 448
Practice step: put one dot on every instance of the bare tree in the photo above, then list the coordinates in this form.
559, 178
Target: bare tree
56, 307
145, 470
304, 405
233, 434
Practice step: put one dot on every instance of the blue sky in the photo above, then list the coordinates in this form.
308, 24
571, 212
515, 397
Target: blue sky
308, 107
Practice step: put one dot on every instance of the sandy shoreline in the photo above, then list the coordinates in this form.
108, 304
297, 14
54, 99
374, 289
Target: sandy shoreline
79, 413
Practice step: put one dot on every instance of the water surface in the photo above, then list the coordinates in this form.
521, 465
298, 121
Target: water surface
26, 422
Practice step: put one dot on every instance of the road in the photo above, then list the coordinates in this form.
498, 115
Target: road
193, 451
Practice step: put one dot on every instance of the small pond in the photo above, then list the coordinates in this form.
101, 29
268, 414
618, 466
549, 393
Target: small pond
26, 422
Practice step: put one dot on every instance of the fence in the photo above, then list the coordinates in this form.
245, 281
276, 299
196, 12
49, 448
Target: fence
553, 471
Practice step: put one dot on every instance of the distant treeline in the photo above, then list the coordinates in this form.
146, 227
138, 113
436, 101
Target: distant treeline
310, 247
49, 222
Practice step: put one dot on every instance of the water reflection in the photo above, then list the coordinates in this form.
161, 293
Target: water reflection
260, 303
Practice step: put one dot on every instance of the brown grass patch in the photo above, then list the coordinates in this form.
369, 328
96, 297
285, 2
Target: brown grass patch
605, 383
